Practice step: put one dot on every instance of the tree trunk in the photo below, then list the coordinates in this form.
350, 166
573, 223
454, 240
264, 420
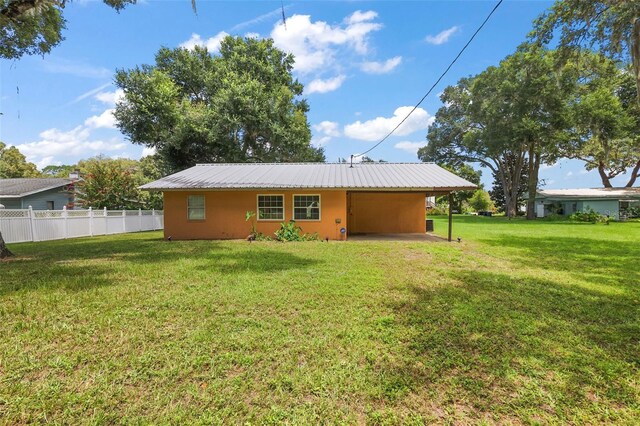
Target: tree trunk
604, 176
635, 54
532, 187
635, 173
4, 251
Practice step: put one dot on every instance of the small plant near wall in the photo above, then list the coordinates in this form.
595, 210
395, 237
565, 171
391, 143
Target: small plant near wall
254, 234
289, 231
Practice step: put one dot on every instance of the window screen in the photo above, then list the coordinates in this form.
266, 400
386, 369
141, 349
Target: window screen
195, 207
270, 207
306, 207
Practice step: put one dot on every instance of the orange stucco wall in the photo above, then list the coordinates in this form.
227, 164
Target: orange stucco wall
225, 214
386, 212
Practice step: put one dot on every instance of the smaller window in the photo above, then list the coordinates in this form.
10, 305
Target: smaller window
195, 207
270, 207
306, 207
50, 205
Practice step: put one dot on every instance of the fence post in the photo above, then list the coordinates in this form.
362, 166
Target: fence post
106, 222
91, 221
66, 224
33, 225
140, 219
124, 221
153, 219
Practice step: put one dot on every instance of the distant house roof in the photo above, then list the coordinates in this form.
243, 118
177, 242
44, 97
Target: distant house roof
362, 176
591, 193
16, 188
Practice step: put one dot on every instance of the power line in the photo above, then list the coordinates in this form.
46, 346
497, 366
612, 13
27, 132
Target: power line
436, 83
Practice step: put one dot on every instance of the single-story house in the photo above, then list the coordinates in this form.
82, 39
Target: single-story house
210, 201
39, 193
606, 201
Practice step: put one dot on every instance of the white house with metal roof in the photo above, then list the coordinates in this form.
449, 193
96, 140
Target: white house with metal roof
606, 201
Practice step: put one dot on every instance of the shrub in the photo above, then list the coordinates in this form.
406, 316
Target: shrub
289, 231
481, 201
589, 216
632, 212
439, 209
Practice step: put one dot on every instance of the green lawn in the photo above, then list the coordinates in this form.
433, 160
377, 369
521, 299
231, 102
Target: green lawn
520, 323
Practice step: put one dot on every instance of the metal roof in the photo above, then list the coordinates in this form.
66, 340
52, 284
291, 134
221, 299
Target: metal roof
590, 193
362, 176
15, 188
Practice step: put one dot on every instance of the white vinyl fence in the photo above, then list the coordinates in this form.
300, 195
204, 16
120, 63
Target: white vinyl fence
42, 225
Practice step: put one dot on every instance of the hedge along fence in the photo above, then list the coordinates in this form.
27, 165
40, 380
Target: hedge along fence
26, 225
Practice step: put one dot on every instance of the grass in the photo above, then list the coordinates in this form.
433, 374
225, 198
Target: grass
522, 323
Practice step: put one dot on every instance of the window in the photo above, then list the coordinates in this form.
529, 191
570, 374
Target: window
270, 207
195, 207
306, 207
50, 205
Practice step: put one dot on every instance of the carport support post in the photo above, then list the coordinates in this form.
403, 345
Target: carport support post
450, 214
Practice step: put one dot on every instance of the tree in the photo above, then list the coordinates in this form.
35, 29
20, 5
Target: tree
460, 198
240, 106
497, 191
113, 183
505, 117
61, 171
481, 202
34, 27
107, 183
463, 133
4, 251
149, 168
606, 120
15, 165
612, 26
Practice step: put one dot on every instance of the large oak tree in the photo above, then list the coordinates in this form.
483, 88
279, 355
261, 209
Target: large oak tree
606, 120
242, 105
506, 117
611, 26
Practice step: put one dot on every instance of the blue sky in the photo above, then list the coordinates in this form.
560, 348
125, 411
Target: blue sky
363, 65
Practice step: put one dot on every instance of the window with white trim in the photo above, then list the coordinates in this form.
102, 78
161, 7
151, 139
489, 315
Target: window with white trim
270, 207
195, 207
306, 207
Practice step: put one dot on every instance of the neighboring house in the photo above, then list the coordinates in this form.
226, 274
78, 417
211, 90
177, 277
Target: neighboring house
39, 193
606, 201
210, 201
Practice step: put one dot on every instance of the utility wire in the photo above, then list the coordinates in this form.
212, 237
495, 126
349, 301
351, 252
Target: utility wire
434, 84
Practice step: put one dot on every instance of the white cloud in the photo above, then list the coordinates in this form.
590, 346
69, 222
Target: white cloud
321, 141
252, 35
75, 142
410, 147
89, 93
381, 67
442, 37
110, 98
146, 151
105, 120
359, 16
315, 44
324, 86
327, 128
212, 43
379, 127
569, 173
